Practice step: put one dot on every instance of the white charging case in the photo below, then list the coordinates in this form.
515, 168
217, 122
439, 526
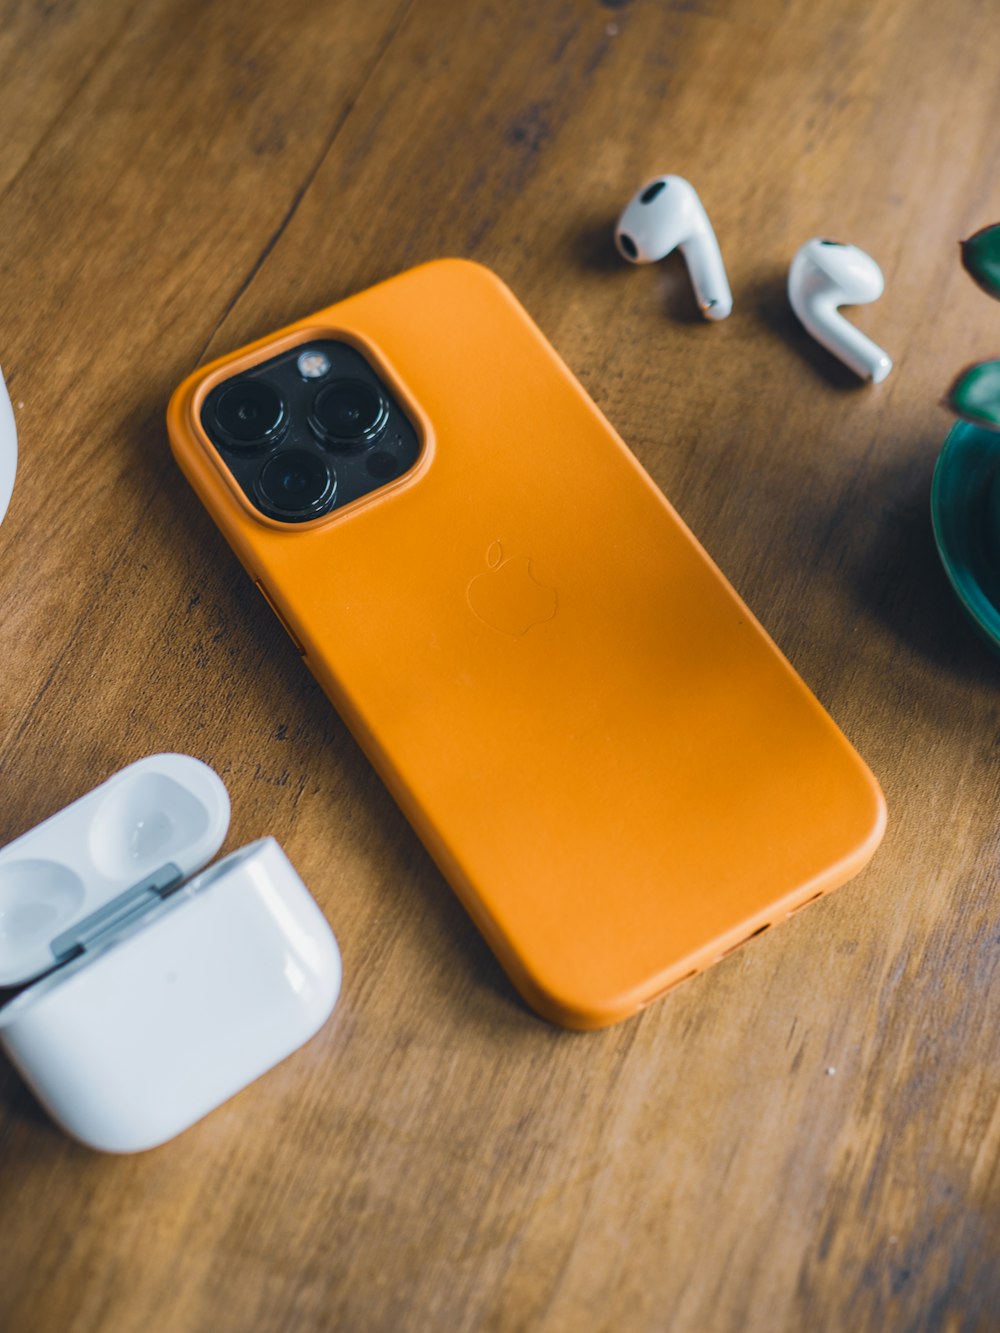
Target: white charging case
163, 995
8, 448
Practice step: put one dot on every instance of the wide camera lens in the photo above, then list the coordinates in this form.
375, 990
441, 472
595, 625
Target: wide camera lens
349, 414
250, 413
296, 484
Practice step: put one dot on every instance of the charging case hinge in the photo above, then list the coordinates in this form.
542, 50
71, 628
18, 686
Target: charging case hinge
120, 911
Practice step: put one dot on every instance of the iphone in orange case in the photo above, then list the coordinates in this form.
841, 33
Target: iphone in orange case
615, 768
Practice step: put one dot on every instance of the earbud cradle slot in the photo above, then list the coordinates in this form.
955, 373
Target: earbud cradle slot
36, 896
143, 822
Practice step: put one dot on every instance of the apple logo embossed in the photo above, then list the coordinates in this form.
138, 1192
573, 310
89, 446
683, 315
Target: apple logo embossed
507, 597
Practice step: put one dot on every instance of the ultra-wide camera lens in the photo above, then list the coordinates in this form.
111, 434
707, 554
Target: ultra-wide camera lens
348, 414
250, 413
296, 484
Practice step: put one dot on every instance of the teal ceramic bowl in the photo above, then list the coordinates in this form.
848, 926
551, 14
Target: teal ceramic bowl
965, 511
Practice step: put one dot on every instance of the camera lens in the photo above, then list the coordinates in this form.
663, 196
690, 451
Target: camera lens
296, 484
349, 414
250, 413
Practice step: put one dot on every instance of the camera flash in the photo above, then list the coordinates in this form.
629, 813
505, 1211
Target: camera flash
313, 364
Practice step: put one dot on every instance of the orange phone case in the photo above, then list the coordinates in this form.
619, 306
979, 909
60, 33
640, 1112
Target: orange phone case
615, 768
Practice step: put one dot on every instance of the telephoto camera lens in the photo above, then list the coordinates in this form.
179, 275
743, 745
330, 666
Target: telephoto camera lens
251, 414
296, 484
348, 414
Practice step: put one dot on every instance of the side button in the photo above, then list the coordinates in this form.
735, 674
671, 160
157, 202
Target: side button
281, 619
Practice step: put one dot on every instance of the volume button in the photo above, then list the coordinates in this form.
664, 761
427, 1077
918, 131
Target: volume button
281, 619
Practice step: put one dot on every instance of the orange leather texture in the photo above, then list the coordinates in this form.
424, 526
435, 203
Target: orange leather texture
613, 765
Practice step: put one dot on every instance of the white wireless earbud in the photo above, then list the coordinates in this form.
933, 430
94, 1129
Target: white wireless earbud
667, 214
825, 275
8, 448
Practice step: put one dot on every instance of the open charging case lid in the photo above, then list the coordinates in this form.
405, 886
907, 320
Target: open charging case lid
104, 861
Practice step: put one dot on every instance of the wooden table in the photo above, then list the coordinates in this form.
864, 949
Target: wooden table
806, 1137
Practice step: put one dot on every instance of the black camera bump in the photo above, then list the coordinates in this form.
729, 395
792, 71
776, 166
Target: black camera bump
301, 444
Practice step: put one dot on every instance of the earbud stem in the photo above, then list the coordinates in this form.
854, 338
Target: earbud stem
708, 274
839, 336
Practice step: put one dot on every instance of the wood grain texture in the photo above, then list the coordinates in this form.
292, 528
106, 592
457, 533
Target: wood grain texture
178, 177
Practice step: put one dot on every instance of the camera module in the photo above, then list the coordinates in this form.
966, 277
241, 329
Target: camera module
309, 430
348, 414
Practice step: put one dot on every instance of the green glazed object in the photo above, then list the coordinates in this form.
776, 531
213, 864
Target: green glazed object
981, 257
965, 511
975, 395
